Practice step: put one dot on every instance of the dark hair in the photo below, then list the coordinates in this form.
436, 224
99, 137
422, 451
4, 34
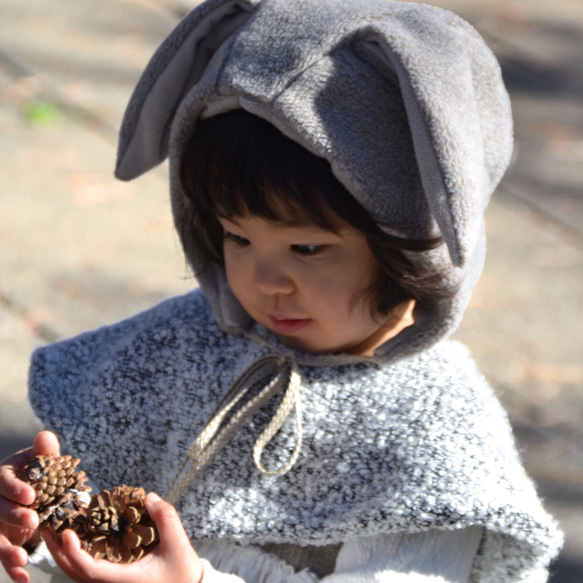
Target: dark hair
236, 164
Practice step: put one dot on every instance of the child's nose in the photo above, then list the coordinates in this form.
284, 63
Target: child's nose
271, 278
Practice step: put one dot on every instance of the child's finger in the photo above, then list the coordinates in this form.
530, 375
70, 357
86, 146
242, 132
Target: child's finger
86, 568
174, 551
11, 554
84, 564
16, 515
11, 487
59, 553
46, 443
16, 535
13, 559
79, 565
18, 574
173, 537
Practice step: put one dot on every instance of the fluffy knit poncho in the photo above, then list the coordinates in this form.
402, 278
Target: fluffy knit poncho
420, 444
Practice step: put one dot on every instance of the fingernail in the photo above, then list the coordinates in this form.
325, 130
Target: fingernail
26, 491
23, 557
74, 539
32, 520
154, 498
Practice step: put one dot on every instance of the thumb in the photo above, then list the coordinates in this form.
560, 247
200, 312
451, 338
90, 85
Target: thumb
173, 537
45, 443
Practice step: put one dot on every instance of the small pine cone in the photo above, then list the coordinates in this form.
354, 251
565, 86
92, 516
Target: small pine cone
59, 487
116, 526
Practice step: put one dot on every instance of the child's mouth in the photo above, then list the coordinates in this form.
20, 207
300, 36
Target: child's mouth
289, 325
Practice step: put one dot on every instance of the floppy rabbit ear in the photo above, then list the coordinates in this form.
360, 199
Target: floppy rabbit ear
178, 64
458, 111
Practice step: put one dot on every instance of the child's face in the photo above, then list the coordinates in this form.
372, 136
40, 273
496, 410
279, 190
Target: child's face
304, 283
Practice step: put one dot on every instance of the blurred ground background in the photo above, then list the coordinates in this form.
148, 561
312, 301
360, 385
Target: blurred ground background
78, 249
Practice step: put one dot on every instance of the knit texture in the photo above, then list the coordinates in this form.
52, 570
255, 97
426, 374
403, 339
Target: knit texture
404, 100
420, 444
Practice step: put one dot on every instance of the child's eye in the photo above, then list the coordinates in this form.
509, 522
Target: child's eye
236, 239
308, 249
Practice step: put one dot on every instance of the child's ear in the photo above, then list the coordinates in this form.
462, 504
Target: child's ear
178, 64
458, 111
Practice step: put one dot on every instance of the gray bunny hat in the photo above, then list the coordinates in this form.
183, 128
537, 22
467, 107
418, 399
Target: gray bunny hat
404, 100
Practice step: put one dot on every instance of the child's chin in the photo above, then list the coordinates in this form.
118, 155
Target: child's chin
294, 343
302, 345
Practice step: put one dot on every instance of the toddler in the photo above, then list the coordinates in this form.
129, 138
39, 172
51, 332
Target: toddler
329, 165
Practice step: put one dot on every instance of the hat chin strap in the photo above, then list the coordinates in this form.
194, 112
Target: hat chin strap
278, 372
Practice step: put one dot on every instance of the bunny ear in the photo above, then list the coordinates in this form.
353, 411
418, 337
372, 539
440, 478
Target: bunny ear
458, 111
178, 64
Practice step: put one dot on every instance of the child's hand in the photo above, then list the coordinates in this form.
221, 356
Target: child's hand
174, 559
16, 522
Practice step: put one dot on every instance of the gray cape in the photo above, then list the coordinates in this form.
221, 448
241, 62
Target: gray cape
420, 444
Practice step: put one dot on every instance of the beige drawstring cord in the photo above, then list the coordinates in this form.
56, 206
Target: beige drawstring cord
212, 439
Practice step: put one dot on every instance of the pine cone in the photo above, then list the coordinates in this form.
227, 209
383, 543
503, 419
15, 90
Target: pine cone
59, 487
116, 526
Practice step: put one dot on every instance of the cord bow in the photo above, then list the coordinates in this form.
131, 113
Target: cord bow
219, 431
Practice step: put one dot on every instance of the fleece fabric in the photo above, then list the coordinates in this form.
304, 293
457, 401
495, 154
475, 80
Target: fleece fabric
405, 101
418, 445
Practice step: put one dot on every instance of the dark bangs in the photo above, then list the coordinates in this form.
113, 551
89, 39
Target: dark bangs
237, 164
